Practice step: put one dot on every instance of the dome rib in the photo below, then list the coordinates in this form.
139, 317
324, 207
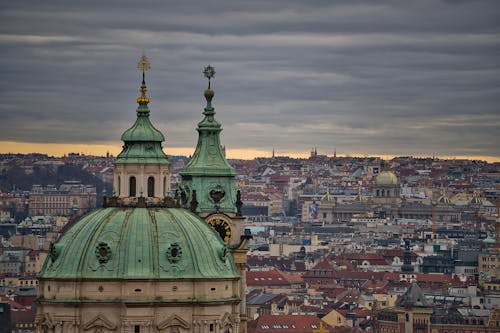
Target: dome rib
154, 241
122, 255
206, 239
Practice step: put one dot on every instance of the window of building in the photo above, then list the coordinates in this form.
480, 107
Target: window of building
164, 186
132, 187
137, 329
151, 187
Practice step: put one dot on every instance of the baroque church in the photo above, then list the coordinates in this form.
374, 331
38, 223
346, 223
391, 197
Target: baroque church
148, 261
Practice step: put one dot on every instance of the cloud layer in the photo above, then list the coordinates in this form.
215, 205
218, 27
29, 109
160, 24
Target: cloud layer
364, 77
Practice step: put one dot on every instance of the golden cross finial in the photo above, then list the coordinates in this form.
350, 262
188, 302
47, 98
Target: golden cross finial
143, 63
321, 329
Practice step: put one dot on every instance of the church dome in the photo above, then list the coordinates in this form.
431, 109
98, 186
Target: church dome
387, 178
489, 240
142, 130
139, 243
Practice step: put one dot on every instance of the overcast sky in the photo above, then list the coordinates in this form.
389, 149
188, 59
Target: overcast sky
362, 77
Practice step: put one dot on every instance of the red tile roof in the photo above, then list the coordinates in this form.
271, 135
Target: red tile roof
359, 258
285, 324
273, 277
375, 285
13, 304
22, 316
325, 264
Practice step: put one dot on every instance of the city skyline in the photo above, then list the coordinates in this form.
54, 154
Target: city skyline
385, 79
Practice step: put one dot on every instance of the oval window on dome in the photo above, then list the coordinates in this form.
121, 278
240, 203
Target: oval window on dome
174, 253
103, 252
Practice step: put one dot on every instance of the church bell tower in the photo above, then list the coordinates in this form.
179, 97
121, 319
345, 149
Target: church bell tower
142, 169
209, 190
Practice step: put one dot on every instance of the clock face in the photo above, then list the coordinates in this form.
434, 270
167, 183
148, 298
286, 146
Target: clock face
222, 227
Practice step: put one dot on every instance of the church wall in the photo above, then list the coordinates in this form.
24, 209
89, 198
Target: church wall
203, 186
142, 172
140, 290
123, 318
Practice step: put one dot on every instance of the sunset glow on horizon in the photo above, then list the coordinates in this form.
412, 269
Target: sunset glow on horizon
56, 149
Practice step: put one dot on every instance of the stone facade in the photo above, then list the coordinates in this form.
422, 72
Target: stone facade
151, 180
145, 306
69, 199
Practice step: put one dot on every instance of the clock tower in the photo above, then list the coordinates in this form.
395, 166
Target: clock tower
208, 188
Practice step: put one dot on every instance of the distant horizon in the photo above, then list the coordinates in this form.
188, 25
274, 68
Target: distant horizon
60, 150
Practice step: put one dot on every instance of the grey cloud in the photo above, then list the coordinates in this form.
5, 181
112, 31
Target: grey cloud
384, 77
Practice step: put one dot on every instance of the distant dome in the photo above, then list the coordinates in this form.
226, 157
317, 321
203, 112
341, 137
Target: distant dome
489, 240
139, 243
387, 178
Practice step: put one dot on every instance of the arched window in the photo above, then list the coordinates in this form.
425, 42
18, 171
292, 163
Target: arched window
132, 187
151, 187
164, 186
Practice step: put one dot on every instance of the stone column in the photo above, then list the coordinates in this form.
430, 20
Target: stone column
142, 183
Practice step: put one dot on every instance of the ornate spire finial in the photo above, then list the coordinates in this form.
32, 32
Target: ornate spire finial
209, 73
143, 65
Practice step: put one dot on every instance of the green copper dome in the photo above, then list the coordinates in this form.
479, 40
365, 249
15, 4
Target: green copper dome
142, 141
489, 240
142, 130
139, 243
